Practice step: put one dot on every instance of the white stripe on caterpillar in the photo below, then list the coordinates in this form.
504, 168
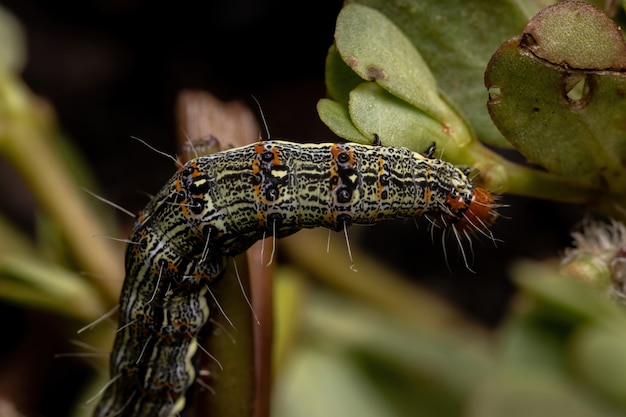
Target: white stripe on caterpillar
217, 206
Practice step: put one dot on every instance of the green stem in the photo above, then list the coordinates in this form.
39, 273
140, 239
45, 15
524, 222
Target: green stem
502, 176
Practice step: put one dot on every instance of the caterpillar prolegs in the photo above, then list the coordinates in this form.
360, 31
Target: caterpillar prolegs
217, 206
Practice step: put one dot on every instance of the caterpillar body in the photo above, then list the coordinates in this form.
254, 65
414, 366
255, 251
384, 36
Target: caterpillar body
217, 206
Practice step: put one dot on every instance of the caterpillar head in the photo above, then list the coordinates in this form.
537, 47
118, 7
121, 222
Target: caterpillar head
465, 213
476, 211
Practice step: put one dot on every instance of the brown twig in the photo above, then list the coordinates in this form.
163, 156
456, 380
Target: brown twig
206, 125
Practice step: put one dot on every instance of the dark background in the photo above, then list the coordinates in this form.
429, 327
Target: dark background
113, 69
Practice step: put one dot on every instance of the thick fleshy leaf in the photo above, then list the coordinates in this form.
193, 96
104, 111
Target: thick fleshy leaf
378, 51
577, 35
335, 115
570, 121
340, 78
374, 111
456, 40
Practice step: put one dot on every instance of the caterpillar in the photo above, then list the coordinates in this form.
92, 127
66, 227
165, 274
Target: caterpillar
217, 206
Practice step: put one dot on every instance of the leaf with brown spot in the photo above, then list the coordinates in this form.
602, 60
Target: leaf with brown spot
553, 98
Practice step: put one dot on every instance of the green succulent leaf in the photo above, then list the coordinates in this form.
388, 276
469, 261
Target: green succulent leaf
457, 41
375, 111
577, 35
399, 100
378, 51
340, 78
568, 119
335, 116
